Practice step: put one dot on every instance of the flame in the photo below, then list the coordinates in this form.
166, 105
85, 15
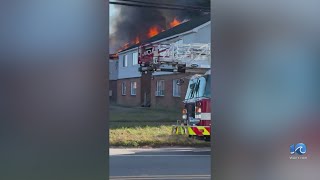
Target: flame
137, 40
128, 44
125, 46
154, 30
174, 22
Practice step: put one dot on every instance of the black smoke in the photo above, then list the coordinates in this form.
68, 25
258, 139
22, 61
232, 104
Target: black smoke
136, 21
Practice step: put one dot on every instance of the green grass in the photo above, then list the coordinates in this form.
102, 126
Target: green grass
132, 117
151, 137
145, 127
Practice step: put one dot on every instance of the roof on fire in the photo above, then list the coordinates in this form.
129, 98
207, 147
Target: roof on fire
181, 28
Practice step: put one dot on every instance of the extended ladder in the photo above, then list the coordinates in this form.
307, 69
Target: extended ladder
174, 57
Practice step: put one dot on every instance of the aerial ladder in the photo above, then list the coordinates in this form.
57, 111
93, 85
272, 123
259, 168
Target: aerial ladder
174, 57
192, 58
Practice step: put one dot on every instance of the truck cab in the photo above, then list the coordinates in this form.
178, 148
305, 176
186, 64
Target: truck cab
196, 114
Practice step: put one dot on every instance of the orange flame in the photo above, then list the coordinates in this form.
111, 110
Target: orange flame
154, 30
174, 22
125, 46
137, 40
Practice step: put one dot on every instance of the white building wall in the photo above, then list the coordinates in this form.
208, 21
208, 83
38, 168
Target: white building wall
131, 71
203, 35
113, 69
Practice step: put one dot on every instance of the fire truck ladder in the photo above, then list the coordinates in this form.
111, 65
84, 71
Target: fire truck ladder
175, 57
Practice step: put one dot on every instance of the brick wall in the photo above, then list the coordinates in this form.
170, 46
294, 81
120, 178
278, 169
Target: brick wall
146, 93
113, 90
168, 101
128, 99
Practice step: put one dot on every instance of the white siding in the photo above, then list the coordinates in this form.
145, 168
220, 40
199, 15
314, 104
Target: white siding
202, 36
113, 69
131, 70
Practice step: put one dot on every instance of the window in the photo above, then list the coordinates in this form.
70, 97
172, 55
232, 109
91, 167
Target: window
123, 88
135, 58
176, 89
160, 88
125, 61
133, 88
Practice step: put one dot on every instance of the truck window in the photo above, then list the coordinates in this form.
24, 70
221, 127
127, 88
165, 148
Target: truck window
207, 92
196, 88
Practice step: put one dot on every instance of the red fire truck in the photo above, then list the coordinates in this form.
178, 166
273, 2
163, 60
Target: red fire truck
194, 58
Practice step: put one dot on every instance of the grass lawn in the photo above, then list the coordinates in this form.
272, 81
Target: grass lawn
133, 117
145, 127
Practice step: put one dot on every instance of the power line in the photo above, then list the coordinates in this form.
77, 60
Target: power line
160, 7
167, 4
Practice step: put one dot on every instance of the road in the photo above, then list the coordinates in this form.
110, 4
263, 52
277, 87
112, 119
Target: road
160, 164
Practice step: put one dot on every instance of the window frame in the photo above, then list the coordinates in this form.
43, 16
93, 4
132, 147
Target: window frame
131, 88
134, 61
123, 88
125, 61
159, 89
174, 90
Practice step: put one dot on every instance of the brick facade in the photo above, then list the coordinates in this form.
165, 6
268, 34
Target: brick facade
168, 101
113, 91
128, 99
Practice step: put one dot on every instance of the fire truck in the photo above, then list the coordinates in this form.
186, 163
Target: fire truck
192, 58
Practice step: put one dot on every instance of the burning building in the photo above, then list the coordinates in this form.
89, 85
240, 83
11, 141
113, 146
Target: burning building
137, 24
158, 90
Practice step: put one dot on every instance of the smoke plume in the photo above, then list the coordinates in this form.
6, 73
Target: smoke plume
136, 24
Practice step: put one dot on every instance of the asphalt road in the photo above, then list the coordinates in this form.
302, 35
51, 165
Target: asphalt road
160, 164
